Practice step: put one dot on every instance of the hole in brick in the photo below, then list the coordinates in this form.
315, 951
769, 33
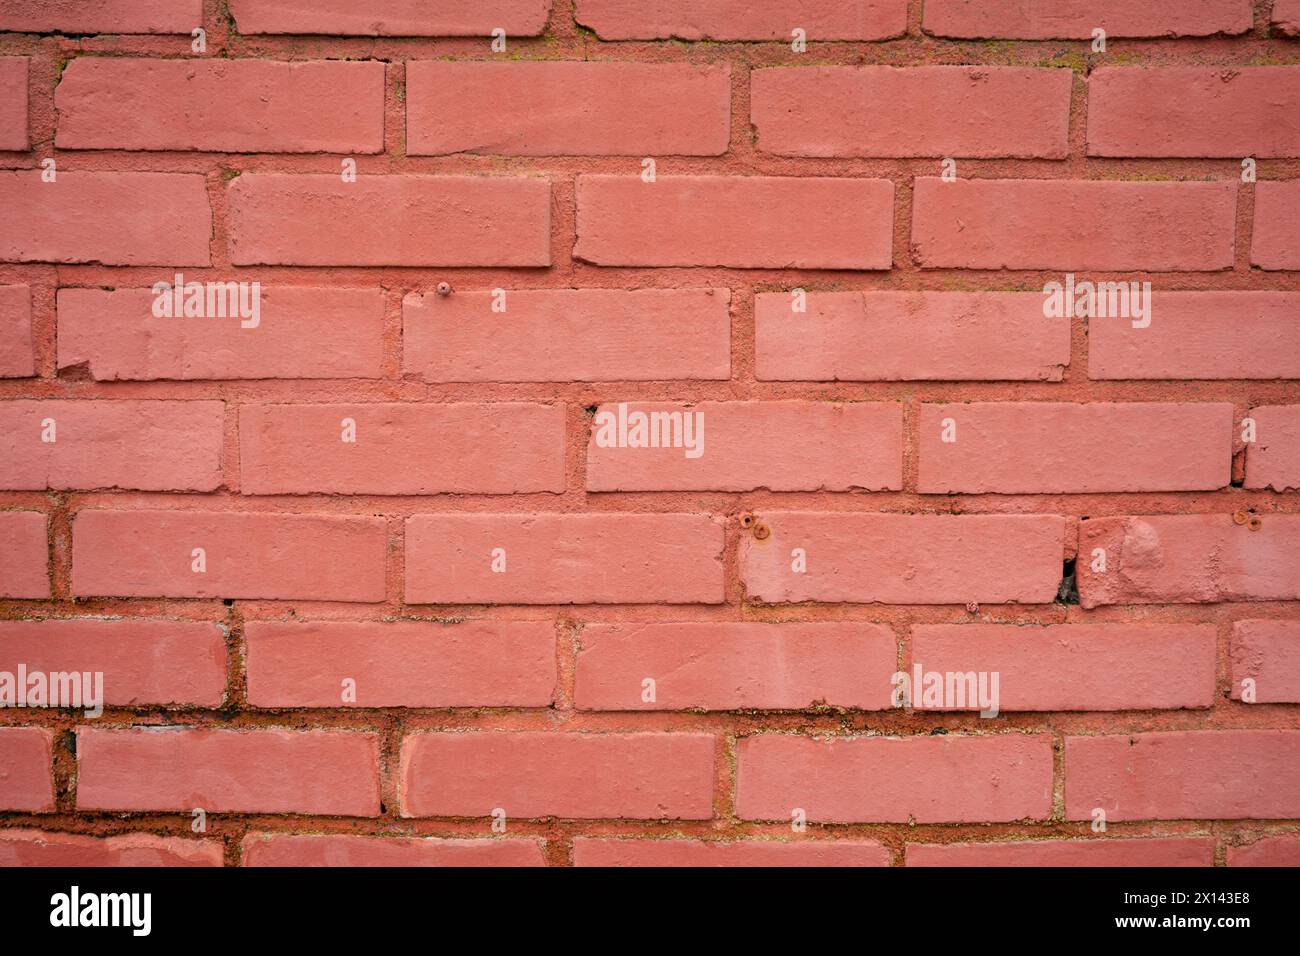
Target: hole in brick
1069, 590
228, 602
70, 742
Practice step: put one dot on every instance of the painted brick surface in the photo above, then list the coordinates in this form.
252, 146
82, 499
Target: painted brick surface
17, 355
892, 780
646, 425
232, 106
1076, 19
643, 776
39, 848
302, 332
143, 661
924, 111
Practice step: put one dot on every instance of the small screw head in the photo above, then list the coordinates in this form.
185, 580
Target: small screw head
1240, 517
1256, 522
746, 520
444, 288
762, 531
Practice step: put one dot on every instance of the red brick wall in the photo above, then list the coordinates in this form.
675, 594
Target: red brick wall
498, 583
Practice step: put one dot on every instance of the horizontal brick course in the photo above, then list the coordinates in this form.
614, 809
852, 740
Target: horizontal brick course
754, 20
1188, 559
1073, 224
335, 773
247, 555
733, 666
233, 106
1240, 774
746, 222
1194, 111
302, 332
1044, 447
888, 779
278, 219
400, 664
644, 776
563, 559
561, 109
738, 446
119, 219
568, 335
918, 111
143, 661
499, 448
392, 17
904, 559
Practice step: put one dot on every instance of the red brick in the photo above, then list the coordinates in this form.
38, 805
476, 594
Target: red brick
1286, 17
1078, 666
25, 558
695, 853
568, 335
280, 219
1201, 335
1267, 652
230, 106
1189, 559
1273, 460
115, 218
401, 664
1055, 447
567, 108
1073, 224
735, 666
939, 779
101, 16
143, 661
302, 332
906, 336
500, 448
958, 111
1170, 851
564, 559
1276, 240
638, 776
40, 848
752, 20
281, 849
1212, 774
746, 222
26, 782
392, 17
17, 354
273, 556
1270, 851
1194, 111
13, 102
783, 446
259, 771
905, 559
1076, 19
150, 445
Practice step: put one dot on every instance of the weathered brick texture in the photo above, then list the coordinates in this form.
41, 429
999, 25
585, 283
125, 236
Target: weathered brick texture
647, 425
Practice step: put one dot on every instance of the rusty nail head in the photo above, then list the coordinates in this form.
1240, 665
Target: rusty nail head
444, 288
1256, 522
1241, 517
761, 531
746, 520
